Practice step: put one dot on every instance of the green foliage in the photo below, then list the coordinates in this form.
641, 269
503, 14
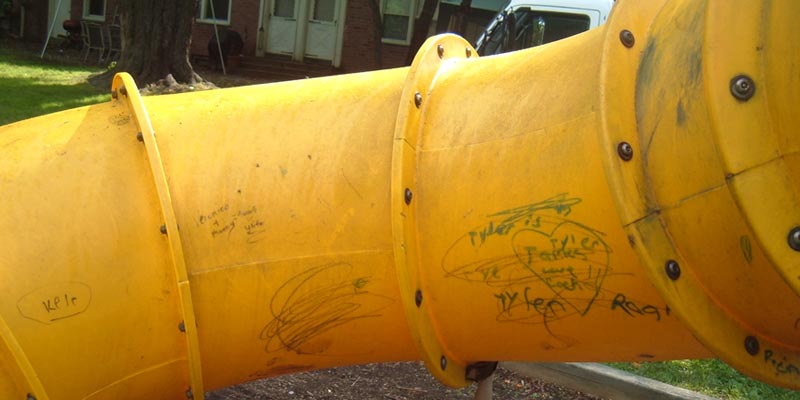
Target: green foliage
33, 87
710, 377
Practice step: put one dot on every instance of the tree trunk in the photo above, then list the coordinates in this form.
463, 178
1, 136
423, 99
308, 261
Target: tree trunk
156, 37
421, 27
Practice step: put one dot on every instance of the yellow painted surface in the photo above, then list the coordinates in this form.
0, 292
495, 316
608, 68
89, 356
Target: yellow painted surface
265, 230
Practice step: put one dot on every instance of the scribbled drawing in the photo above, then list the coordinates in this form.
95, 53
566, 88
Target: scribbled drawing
543, 265
316, 301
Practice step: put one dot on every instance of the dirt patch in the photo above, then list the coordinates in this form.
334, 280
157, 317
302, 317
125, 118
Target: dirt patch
389, 381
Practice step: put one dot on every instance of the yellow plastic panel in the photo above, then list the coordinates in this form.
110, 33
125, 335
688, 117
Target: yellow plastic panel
723, 263
89, 286
677, 156
780, 59
617, 90
282, 171
744, 128
749, 289
437, 57
528, 264
297, 315
20, 378
757, 136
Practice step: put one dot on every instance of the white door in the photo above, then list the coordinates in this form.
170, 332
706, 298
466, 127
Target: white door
282, 26
60, 16
322, 29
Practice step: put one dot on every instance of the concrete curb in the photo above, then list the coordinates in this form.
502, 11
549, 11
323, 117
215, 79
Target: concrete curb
601, 380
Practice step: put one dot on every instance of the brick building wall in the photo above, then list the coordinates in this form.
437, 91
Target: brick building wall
359, 43
244, 20
394, 55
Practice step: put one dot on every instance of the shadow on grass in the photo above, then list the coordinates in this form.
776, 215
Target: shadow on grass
29, 97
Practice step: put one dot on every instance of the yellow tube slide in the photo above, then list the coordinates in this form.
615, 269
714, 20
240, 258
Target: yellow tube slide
612, 196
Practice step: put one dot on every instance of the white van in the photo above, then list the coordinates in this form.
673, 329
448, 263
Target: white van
528, 23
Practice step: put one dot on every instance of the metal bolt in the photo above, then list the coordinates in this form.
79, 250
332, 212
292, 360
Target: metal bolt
163, 229
627, 38
114, 94
182, 326
469, 52
440, 51
673, 270
189, 394
443, 362
794, 238
417, 99
742, 87
30, 397
123, 91
625, 151
139, 136
408, 195
480, 370
751, 345
418, 298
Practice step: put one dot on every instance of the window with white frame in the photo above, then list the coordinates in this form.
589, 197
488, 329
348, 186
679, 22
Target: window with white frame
398, 20
94, 10
214, 11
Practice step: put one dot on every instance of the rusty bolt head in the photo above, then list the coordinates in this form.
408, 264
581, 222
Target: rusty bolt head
742, 87
794, 238
139, 136
751, 345
440, 51
408, 196
123, 91
625, 151
469, 52
627, 38
418, 298
443, 363
673, 269
418, 99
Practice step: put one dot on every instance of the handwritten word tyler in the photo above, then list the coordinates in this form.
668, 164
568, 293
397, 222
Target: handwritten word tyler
545, 307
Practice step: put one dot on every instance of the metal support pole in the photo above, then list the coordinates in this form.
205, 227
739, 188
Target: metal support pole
50, 31
484, 391
216, 34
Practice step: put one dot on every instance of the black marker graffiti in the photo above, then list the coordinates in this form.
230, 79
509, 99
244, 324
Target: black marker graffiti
545, 265
225, 221
782, 366
316, 301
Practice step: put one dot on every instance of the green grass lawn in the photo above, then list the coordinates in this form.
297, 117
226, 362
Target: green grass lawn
31, 87
710, 377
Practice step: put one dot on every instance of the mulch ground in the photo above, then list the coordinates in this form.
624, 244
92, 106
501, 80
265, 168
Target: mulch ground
390, 381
